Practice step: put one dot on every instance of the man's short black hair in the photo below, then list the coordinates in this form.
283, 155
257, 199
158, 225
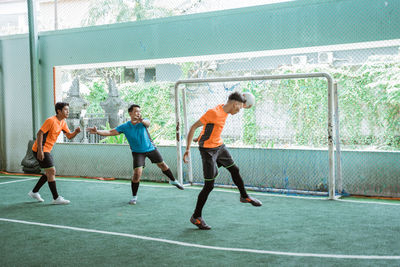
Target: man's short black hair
60, 105
133, 106
236, 96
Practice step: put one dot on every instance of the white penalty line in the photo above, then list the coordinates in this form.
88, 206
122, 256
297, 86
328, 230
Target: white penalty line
338, 256
23, 180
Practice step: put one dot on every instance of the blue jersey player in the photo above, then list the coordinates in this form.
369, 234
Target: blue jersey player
141, 145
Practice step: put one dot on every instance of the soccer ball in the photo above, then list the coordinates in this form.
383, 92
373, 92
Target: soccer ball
250, 99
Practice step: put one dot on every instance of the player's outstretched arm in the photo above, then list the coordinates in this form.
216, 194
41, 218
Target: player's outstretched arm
189, 139
73, 134
93, 130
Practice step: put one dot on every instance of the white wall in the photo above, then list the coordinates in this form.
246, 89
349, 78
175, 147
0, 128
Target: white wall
17, 99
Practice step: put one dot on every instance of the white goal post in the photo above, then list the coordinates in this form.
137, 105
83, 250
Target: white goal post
333, 121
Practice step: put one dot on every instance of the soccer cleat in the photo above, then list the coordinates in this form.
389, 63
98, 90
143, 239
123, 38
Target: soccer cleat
253, 201
60, 201
133, 201
36, 196
199, 222
177, 184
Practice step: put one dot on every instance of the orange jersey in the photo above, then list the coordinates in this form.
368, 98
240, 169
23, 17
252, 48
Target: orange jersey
213, 123
51, 128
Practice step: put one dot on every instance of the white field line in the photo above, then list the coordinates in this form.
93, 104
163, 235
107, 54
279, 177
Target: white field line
258, 251
23, 180
369, 202
236, 192
221, 190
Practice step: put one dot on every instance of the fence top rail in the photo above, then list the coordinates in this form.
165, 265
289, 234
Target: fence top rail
258, 77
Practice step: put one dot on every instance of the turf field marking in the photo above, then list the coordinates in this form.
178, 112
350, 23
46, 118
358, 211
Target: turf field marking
257, 251
218, 190
109, 182
23, 180
236, 192
192, 188
369, 202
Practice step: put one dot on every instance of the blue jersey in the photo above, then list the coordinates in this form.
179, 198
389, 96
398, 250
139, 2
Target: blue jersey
138, 137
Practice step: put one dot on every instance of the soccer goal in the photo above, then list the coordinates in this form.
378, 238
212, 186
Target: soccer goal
285, 143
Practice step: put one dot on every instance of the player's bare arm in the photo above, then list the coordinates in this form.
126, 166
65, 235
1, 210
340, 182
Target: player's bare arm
145, 122
39, 140
73, 134
189, 139
139, 119
93, 130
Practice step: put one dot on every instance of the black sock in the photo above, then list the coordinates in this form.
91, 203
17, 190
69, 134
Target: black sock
53, 189
237, 179
202, 198
40, 183
135, 187
169, 174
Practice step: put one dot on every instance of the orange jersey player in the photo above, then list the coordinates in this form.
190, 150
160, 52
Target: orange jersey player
46, 137
214, 154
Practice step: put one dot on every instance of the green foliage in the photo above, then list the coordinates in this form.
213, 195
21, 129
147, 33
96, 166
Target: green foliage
156, 104
97, 94
116, 11
155, 100
268, 144
386, 85
370, 96
369, 103
307, 102
117, 139
250, 127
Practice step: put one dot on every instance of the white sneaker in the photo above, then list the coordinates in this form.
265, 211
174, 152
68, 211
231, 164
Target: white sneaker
36, 196
133, 201
177, 184
60, 200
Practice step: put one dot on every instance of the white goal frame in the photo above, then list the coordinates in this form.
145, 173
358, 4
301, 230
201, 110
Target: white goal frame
332, 110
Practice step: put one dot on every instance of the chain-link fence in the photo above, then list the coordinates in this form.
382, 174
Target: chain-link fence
368, 100
281, 143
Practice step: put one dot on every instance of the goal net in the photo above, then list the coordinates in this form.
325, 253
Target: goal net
278, 145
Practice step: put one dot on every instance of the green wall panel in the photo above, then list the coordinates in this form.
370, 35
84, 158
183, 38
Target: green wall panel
278, 26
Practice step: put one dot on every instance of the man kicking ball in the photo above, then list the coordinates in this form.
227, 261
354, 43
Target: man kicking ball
214, 154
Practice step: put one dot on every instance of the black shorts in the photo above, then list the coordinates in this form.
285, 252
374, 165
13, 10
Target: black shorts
213, 158
139, 158
47, 162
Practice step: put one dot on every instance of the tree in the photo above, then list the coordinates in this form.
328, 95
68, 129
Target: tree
115, 11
